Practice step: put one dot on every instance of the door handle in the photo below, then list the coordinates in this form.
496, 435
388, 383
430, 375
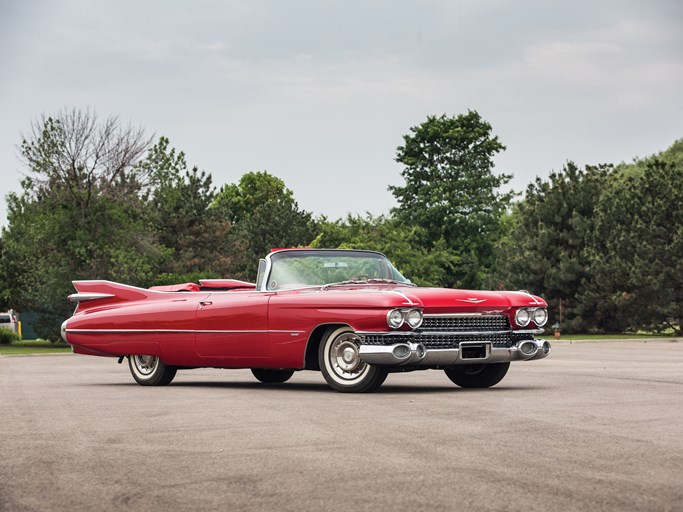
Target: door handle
205, 303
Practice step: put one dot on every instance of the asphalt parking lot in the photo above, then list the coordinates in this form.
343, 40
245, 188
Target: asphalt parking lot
596, 426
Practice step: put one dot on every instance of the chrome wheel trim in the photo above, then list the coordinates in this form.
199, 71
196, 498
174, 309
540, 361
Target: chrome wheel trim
145, 366
343, 359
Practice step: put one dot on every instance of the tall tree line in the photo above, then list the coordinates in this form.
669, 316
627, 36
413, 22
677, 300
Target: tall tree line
102, 200
603, 244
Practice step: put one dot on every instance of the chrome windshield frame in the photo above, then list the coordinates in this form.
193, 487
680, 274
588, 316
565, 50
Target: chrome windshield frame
263, 286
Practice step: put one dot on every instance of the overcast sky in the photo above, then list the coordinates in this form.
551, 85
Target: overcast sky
319, 93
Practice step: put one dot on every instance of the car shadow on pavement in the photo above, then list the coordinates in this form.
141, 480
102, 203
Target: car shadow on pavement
386, 389
389, 389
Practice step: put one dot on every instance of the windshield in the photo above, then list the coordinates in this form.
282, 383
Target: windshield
301, 268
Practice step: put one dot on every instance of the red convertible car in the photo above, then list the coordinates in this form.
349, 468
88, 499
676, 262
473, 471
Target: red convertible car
348, 314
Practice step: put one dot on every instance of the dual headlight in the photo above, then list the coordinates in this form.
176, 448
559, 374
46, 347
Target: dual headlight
397, 317
524, 316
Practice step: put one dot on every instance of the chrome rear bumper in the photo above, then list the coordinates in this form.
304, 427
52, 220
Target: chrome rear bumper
410, 353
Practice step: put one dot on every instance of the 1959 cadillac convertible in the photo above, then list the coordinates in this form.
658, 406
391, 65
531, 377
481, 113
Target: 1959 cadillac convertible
348, 314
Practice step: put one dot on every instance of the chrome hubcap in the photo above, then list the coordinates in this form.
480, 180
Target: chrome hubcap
344, 357
348, 355
145, 364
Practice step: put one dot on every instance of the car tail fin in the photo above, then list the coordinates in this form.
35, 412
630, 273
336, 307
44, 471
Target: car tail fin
98, 293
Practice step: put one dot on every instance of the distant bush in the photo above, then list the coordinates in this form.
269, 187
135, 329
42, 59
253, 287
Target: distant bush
7, 337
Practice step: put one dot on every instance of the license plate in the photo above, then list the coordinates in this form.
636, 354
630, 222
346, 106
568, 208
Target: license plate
475, 350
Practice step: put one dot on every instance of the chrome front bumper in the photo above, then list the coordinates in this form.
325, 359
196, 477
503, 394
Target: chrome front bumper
468, 352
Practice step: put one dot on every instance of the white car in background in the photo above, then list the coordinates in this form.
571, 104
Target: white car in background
8, 320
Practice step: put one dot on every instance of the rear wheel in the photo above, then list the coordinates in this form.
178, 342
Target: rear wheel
268, 376
342, 367
477, 375
150, 371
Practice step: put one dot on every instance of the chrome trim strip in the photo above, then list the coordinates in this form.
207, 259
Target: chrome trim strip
82, 297
528, 331
200, 331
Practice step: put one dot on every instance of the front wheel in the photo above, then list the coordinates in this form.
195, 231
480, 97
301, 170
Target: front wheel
272, 376
342, 367
477, 375
150, 371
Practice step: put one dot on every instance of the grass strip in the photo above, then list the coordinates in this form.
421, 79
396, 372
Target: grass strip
31, 347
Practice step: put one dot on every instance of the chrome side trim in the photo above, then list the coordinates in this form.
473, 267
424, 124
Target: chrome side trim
186, 331
82, 297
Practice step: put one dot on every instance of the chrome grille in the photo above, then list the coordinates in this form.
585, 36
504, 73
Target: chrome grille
436, 341
464, 323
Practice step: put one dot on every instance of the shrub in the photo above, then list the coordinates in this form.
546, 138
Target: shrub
7, 337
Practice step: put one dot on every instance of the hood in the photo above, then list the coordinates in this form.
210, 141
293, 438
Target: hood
433, 300
444, 300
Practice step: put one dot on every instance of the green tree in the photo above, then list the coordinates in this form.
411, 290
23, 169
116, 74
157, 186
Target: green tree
451, 193
672, 155
179, 203
547, 235
636, 248
79, 215
264, 215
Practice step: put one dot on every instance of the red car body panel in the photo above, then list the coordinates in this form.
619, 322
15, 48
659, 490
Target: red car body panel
246, 328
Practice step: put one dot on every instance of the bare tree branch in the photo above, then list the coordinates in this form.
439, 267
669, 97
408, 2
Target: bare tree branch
76, 154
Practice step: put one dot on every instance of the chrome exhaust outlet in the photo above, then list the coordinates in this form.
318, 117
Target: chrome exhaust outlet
417, 352
398, 354
402, 351
543, 349
528, 349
